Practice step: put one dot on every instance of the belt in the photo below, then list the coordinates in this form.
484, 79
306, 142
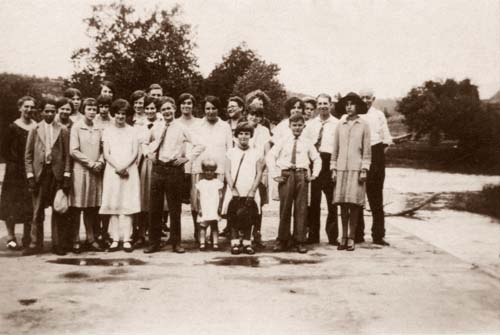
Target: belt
295, 169
169, 164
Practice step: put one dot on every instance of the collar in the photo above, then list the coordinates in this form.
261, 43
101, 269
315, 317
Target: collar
357, 119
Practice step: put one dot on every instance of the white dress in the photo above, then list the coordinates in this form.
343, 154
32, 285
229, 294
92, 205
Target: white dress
120, 195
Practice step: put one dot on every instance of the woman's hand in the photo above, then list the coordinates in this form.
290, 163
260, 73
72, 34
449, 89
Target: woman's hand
362, 176
279, 179
180, 160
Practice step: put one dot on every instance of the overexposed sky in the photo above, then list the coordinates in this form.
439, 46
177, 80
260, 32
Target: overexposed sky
321, 45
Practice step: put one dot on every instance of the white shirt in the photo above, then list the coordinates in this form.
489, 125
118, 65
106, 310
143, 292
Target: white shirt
313, 129
217, 139
209, 198
281, 131
378, 126
280, 156
261, 136
173, 144
192, 127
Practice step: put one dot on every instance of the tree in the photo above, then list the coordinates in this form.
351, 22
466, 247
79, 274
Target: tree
134, 52
454, 110
261, 75
220, 82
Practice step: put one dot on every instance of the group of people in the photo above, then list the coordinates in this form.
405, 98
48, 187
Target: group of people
122, 165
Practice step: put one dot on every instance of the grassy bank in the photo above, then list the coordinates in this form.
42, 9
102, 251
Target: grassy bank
485, 202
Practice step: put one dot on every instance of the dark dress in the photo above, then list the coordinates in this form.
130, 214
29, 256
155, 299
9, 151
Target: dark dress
15, 200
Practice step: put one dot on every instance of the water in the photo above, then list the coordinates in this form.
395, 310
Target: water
258, 261
98, 261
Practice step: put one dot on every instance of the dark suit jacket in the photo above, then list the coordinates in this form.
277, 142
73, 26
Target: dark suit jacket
34, 157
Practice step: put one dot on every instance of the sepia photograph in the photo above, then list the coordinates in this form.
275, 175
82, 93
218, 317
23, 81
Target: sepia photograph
249, 167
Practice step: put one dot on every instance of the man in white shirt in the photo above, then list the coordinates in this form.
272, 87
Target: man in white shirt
380, 139
289, 161
167, 152
320, 131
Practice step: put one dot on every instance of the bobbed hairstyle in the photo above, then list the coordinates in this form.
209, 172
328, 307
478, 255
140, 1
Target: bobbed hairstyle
163, 100
290, 103
186, 96
22, 100
118, 105
47, 101
65, 101
88, 102
150, 100
214, 101
297, 118
137, 95
71, 92
104, 100
258, 94
208, 164
243, 127
110, 85
238, 100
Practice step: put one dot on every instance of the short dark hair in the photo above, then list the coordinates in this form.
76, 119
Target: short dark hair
88, 102
254, 110
120, 104
213, 100
297, 118
186, 96
238, 100
290, 103
137, 95
110, 85
71, 92
65, 101
155, 87
163, 100
22, 100
243, 127
151, 100
104, 100
47, 101
208, 163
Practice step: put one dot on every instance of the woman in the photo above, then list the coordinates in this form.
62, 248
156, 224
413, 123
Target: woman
15, 200
65, 109
145, 169
137, 101
121, 185
103, 120
85, 149
75, 96
350, 162
186, 104
107, 89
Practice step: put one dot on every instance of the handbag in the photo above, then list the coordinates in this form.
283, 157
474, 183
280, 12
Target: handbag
61, 202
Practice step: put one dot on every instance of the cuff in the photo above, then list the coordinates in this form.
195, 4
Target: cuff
67, 174
29, 175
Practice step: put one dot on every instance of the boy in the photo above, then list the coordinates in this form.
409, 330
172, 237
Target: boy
48, 169
244, 167
209, 199
288, 163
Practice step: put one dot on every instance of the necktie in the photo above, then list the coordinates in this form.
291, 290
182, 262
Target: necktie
150, 126
162, 138
320, 136
48, 144
294, 152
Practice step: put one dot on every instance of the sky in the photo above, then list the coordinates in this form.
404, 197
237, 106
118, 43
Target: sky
320, 45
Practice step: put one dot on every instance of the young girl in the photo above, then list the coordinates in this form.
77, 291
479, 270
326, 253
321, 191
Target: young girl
103, 120
121, 186
86, 151
350, 162
137, 101
75, 96
107, 89
65, 109
209, 199
15, 201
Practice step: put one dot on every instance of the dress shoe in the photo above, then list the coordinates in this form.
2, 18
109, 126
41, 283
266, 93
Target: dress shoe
114, 247
249, 250
350, 244
224, 232
178, 249
30, 251
152, 248
343, 244
301, 249
235, 250
139, 243
77, 248
127, 247
381, 241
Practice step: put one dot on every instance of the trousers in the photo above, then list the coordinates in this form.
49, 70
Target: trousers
293, 195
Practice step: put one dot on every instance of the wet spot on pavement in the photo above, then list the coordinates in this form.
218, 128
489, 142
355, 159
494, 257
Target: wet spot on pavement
254, 261
118, 271
27, 302
98, 261
75, 275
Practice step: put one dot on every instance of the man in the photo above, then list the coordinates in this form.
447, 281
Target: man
320, 132
380, 140
48, 169
155, 91
167, 151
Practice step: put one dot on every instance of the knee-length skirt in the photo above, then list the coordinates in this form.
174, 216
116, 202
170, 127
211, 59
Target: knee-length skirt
348, 189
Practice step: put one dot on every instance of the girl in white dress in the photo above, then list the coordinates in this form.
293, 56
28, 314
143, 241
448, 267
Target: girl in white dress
121, 185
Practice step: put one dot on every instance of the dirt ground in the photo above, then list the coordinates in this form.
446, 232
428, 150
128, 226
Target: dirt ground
441, 274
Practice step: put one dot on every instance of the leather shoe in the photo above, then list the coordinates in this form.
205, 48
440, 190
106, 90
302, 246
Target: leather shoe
381, 241
178, 249
152, 248
279, 247
301, 249
30, 251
